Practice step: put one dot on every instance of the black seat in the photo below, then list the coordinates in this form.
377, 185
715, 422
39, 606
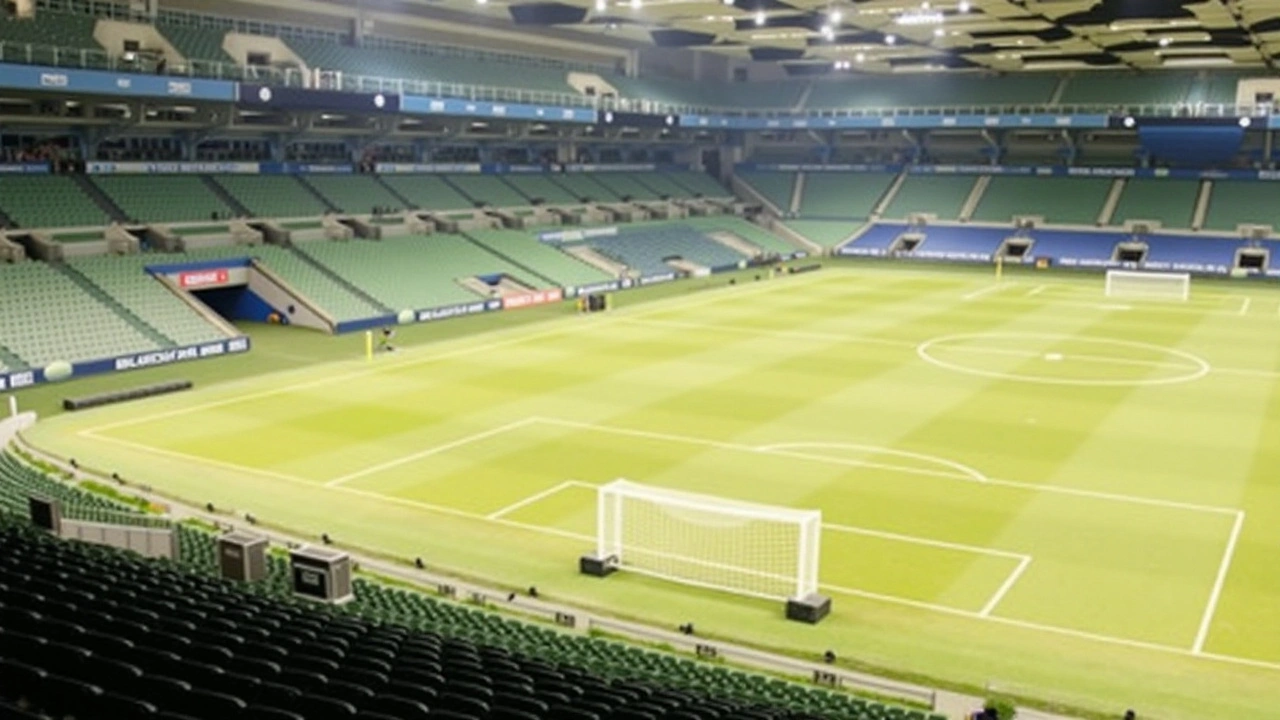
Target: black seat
400, 707
122, 707
266, 712
203, 703
19, 681
320, 707
60, 696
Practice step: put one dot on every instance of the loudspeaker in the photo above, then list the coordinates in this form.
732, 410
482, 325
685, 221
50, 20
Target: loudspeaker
808, 609
596, 566
242, 557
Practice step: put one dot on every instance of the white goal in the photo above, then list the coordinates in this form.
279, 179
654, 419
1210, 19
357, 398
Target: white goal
1148, 285
758, 550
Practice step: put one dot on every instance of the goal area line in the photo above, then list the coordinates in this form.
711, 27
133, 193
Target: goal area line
987, 613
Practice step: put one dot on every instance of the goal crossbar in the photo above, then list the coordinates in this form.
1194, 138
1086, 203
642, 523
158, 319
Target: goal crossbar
707, 541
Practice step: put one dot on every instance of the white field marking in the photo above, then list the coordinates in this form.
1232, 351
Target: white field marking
537, 497
761, 332
406, 459
1037, 290
246, 470
1009, 582
915, 540
1032, 487
982, 291
173, 454
421, 355
1244, 306
1199, 369
890, 599
971, 473
1207, 620
1082, 357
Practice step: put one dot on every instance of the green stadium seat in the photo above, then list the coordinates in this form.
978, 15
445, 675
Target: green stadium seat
1060, 200
272, 196
48, 201
1172, 202
162, 198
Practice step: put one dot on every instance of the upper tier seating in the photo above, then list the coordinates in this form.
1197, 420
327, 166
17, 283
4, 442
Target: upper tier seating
776, 187
943, 195
48, 201
542, 258
428, 192
843, 195
699, 183
354, 194
782, 95
647, 249
414, 273
488, 189
124, 278
272, 196
627, 185
162, 198
584, 185
19, 481
48, 317
1172, 202
196, 43
539, 186
380, 62
49, 29
926, 91
1116, 89
1234, 203
1060, 200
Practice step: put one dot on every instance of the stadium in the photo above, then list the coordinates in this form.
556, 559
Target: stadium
639, 359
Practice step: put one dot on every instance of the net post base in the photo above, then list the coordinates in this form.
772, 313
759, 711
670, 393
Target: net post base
596, 566
808, 609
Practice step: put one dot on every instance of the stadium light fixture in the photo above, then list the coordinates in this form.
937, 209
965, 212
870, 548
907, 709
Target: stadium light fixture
860, 57
939, 32
964, 6
760, 18
636, 4
835, 16
482, 2
890, 39
1245, 122
1165, 42
1129, 122
602, 5
828, 32
727, 2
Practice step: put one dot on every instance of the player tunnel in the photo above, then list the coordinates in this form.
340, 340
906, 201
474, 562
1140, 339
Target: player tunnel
239, 290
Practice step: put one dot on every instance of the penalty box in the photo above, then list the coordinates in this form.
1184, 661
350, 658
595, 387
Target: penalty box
898, 527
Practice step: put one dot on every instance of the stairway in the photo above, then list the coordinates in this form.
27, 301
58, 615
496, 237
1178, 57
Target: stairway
226, 197
404, 201
100, 198
335, 277
513, 261
10, 360
312, 189
116, 306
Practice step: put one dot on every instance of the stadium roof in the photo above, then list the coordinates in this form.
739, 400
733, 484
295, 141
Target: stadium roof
915, 35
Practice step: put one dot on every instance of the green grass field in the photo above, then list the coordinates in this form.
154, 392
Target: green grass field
1025, 486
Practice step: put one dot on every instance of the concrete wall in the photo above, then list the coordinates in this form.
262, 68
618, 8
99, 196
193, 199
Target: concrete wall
112, 34
239, 45
282, 298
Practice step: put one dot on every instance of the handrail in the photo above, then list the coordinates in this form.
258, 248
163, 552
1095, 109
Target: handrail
90, 59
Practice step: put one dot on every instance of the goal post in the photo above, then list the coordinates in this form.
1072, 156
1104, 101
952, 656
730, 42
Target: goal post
749, 549
1148, 285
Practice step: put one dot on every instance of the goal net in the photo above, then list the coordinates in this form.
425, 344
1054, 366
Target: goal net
1149, 285
759, 550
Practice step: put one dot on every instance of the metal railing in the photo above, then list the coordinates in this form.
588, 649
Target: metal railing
90, 59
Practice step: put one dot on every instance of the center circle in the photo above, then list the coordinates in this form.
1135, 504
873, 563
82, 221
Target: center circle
1050, 359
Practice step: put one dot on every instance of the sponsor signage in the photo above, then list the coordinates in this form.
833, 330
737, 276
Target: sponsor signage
171, 168
450, 311
577, 235
422, 168
204, 278
25, 169
100, 82
1036, 170
923, 121
425, 105
655, 279
29, 378
542, 297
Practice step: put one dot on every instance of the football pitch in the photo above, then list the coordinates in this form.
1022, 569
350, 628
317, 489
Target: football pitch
1025, 485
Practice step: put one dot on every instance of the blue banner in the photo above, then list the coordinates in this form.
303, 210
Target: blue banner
1039, 170
866, 122
421, 105
154, 358
25, 169
291, 98
100, 82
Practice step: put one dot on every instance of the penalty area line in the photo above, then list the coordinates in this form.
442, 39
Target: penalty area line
1004, 589
981, 292
537, 497
1206, 621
